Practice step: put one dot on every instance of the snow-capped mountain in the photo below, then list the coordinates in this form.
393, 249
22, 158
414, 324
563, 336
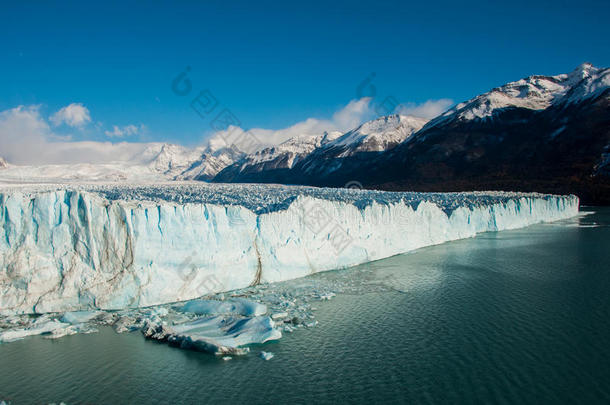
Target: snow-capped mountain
373, 137
175, 162
544, 133
378, 135
540, 133
322, 153
3, 163
211, 162
286, 154
276, 159
156, 162
533, 93
172, 160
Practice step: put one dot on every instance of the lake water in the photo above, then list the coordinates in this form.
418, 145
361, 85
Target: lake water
513, 317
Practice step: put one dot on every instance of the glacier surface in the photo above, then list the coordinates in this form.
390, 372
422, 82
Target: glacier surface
82, 247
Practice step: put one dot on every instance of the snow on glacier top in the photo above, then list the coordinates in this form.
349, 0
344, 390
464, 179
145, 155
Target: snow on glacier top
264, 198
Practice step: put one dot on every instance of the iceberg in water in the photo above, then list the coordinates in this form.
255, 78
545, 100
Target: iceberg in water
68, 324
114, 246
266, 355
217, 334
41, 326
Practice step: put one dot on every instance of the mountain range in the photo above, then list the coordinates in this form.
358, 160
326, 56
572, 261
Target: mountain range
540, 133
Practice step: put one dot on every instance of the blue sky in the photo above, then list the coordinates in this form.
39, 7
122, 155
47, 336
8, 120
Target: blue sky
274, 64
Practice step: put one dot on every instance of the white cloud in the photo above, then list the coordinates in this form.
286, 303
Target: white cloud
22, 132
26, 138
127, 130
429, 109
74, 115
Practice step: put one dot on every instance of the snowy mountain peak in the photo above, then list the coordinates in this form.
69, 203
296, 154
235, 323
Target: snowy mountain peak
380, 134
174, 159
211, 161
321, 153
534, 92
383, 123
583, 71
286, 154
3, 163
586, 81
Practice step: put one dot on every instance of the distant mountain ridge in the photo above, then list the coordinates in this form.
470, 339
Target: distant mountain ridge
548, 134
375, 136
540, 133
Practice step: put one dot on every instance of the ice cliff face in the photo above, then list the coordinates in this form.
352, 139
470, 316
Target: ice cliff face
111, 247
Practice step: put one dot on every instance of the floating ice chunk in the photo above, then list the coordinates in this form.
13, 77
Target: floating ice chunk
39, 327
227, 358
266, 355
279, 315
217, 334
72, 330
79, 316
237, 306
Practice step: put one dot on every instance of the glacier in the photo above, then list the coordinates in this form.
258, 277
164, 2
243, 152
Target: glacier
87, 247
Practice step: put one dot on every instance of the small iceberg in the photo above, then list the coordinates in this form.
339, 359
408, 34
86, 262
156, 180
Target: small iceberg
217, 334
279, 315
266, 355
41, 326
72, 330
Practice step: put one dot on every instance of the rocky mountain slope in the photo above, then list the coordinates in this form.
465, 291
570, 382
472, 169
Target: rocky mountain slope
322, 155
540, 133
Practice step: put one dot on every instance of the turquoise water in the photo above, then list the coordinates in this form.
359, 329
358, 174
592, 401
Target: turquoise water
513, 317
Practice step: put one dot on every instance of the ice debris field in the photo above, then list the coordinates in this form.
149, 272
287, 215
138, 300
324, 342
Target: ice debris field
123, 255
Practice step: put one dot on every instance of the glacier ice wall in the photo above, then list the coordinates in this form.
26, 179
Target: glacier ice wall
76, 248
